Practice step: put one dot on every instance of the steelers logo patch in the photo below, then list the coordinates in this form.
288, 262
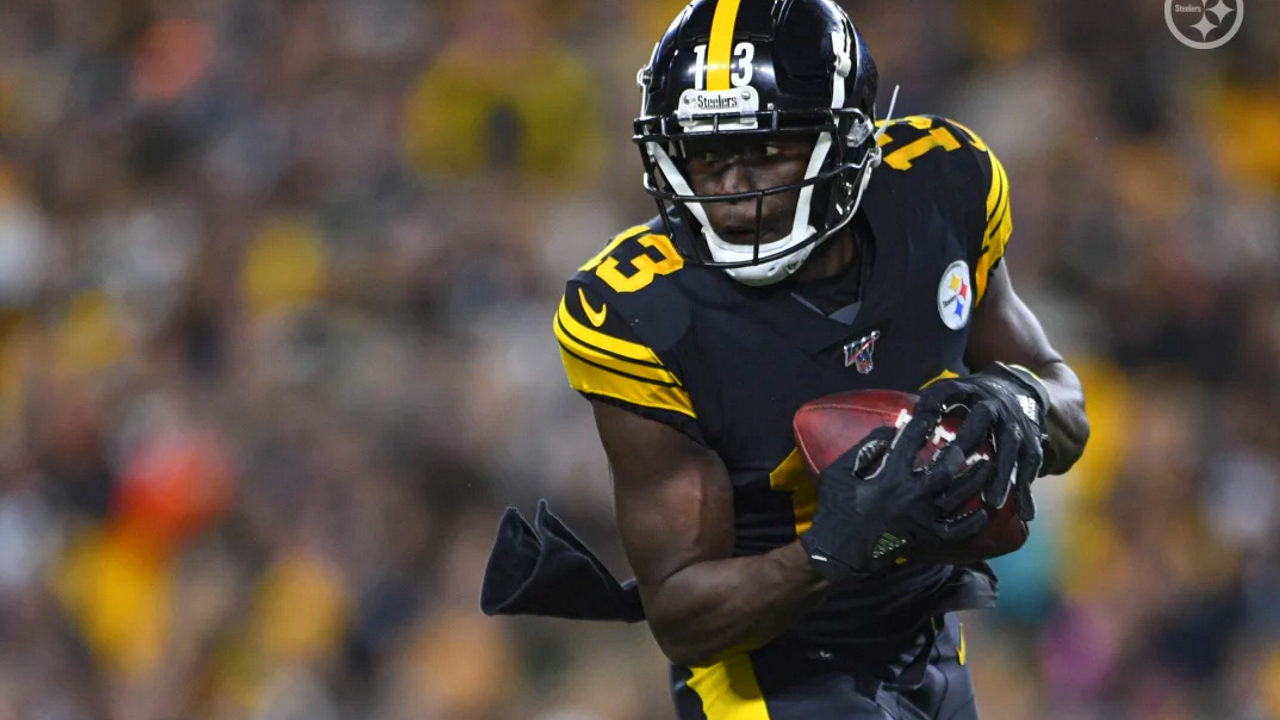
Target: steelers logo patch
955, 295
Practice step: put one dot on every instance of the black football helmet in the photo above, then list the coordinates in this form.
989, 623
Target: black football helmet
760, 67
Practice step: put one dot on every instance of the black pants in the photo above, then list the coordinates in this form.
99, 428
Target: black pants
923, 675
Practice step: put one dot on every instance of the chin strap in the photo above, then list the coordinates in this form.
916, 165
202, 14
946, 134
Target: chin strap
888, 116
871, 161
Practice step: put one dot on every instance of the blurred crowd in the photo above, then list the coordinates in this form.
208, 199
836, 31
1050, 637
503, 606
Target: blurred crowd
276, 281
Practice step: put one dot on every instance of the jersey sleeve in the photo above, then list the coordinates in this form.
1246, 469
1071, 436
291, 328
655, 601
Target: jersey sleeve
997, 219
604, 360
952, 163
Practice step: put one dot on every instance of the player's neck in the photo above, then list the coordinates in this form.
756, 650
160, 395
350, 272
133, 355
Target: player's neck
830, 258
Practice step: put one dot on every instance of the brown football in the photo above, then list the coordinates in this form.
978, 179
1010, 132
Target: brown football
828, 426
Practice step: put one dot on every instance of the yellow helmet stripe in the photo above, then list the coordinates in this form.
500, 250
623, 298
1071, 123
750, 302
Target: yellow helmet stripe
720, 50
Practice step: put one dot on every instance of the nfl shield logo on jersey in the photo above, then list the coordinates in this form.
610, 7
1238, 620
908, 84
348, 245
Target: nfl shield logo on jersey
859, 352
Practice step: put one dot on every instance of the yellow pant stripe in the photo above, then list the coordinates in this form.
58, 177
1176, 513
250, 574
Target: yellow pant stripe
729, 690
720, 50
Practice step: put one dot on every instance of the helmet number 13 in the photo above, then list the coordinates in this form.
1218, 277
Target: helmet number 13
741, 68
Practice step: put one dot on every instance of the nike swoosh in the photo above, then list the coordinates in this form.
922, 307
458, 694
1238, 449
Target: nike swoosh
960, 647
595, 316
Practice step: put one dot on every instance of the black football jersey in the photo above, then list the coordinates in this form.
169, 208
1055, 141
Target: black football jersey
728, 364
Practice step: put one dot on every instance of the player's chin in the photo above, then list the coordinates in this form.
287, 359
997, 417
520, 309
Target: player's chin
747, 237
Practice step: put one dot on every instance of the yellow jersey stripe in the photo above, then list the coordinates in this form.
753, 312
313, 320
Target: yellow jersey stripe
1005, 206
999, 227
601, 341
729, 690
609, 361
720, 49
996, 192
595, 380
1000, 188
619, 372
973, 136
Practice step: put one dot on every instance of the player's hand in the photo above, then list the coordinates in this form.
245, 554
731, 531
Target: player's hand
1009, 402
874, 505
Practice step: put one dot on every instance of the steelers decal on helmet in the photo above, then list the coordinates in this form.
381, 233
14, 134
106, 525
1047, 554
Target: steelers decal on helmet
955, 295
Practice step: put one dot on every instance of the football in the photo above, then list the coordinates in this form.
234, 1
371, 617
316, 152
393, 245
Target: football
828, 426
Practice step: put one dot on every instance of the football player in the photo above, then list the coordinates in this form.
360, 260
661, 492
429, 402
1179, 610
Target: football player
802, 248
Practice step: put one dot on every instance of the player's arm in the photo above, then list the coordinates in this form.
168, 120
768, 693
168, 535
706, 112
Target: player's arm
674, 500
674, 507
1021, 388
1005, 330
1021, 391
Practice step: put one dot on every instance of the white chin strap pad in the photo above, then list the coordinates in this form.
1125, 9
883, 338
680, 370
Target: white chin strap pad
772, 271
765, 273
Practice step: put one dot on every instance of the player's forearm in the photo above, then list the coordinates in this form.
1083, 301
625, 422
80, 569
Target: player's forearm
1066, 424
709, 609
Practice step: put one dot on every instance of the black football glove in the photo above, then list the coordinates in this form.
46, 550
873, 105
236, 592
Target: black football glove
874, 505
1009, 402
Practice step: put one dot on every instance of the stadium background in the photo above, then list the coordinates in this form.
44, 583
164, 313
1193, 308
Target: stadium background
276, 281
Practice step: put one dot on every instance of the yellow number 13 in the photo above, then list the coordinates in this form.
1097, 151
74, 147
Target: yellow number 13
643, 265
